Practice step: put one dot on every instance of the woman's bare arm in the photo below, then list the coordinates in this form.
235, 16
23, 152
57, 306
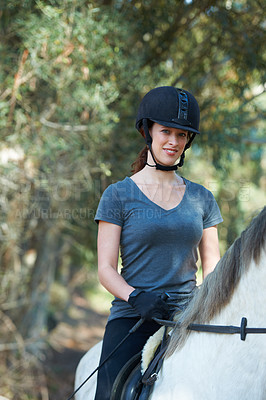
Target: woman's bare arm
209, 250
108, 253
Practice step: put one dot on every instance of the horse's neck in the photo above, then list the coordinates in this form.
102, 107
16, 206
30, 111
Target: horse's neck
248, 299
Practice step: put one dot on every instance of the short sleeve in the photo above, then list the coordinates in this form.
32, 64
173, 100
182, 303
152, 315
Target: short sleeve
110, 207
212, 215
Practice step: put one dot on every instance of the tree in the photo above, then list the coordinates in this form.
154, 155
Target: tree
73, 73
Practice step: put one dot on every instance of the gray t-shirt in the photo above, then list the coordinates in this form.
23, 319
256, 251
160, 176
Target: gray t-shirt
158, 247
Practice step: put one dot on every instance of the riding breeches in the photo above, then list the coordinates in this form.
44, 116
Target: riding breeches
115, 331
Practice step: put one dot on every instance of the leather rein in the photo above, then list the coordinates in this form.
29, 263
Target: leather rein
151, 373
243, 330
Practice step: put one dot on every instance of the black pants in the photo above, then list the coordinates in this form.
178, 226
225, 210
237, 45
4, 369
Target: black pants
115, 331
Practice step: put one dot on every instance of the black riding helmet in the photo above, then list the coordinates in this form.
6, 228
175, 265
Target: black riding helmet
171, 107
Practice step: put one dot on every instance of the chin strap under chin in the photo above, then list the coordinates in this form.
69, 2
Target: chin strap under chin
161, 167
158, 166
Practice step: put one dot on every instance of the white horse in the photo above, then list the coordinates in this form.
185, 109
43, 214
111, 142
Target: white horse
214, 366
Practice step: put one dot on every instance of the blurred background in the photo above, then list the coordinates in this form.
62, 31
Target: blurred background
71, 78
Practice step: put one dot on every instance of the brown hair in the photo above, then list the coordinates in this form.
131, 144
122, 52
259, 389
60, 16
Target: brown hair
140, 162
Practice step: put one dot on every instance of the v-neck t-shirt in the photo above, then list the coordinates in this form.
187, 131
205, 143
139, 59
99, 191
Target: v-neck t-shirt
158, 247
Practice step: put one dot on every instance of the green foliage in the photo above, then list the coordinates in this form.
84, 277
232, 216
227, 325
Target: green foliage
72, 74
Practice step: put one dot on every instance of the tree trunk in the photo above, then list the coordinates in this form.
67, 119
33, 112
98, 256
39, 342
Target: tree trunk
33, 324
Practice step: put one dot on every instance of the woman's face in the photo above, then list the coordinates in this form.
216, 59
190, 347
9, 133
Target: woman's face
167, 143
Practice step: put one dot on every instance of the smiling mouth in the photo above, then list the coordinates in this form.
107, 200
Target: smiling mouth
170, 152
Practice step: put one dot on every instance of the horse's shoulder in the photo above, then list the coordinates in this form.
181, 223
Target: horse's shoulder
92, 356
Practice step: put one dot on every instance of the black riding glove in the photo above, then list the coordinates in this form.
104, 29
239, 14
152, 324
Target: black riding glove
148, 304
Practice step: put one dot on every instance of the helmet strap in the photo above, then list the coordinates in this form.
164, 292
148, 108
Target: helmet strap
161, 167
190, 141
182, 158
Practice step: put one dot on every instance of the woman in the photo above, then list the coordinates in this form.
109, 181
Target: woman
158, 220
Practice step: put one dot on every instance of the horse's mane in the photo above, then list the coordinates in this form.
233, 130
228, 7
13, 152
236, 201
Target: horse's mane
217, 289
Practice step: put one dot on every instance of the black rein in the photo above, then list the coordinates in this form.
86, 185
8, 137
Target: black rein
243, 330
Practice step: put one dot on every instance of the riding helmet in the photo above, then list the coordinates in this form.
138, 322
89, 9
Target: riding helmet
171, 107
